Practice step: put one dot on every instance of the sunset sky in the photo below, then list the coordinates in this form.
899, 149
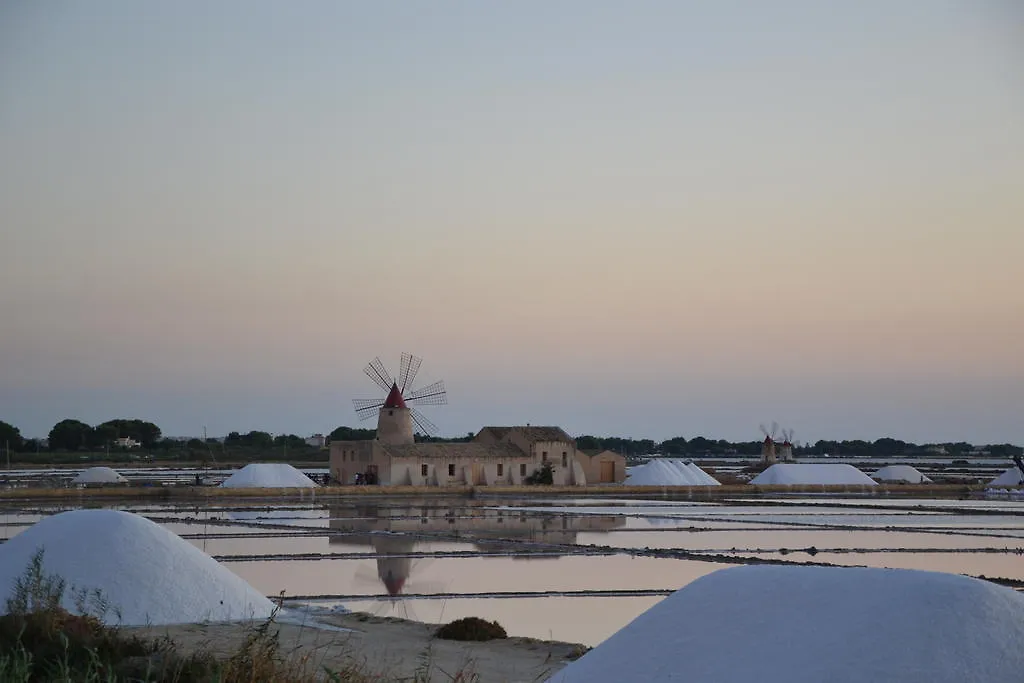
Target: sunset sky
640, 219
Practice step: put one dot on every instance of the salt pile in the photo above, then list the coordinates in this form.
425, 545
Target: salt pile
813, 624
1011, 477
268, 476
901, 473
98, 475
807, 474
669, 472
148, 574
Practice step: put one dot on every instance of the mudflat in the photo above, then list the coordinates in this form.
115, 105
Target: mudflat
385, 647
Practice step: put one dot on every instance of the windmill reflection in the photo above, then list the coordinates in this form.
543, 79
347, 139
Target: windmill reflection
395, 531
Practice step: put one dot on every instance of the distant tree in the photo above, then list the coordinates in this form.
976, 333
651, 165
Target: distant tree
257, 439
349, 434
674, 446
290, 441
146, 433
196, 445
545, 475
588, 443
70, 435
10, 437
233, 439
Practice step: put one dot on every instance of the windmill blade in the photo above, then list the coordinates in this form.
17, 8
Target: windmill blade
764, 430
426, 426
367, 407
407, 372
430, 395
775, 429
376, 371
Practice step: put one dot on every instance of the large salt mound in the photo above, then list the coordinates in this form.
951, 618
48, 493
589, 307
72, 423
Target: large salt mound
901, 473
813, 624
98, 475
808, 474
149, 574
268, 476
1011, 477
669, 472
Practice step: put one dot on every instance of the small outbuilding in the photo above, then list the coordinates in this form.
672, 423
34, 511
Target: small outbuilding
602, 467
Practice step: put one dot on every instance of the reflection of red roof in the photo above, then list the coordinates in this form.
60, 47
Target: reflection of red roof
394, 399
394, 584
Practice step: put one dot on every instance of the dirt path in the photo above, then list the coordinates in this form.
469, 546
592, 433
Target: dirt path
394, 649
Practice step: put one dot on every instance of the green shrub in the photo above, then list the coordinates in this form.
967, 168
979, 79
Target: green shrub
471, 628
543, 476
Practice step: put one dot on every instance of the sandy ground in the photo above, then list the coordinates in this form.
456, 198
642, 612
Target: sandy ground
394, 649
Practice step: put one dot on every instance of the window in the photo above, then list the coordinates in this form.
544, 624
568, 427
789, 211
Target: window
423, 469
544, 456
501, 469
565, 459
451, 469
391, 412
522, 469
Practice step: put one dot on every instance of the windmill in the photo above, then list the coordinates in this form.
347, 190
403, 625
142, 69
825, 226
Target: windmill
397, 410
768, 447
786, 450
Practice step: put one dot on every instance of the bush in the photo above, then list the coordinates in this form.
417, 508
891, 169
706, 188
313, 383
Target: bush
543, 476
471, 628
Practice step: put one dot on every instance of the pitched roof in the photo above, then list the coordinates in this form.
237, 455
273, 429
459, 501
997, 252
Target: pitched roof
453, 450
530, 432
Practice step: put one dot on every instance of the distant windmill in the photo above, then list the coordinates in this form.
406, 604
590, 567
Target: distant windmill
786, 450
395, 420
768, 447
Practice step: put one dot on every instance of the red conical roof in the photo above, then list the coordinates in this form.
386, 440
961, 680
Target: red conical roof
393, 584
394, 399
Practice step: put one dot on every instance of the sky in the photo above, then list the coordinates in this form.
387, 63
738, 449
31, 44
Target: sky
641, 219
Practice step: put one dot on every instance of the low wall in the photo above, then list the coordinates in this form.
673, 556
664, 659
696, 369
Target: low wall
612, 491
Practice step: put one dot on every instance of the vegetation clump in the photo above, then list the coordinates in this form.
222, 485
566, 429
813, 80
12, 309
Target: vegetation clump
545, 476
471, 628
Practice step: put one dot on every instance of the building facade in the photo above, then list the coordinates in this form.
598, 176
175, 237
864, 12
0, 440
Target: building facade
497, 456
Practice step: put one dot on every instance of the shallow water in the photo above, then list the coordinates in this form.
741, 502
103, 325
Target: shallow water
377, 551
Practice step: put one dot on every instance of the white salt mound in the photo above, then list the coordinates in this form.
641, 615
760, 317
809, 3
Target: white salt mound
1011, 477
902, 474
669, 472
98, 475
268, 476
148, 574
810, 474
814, 624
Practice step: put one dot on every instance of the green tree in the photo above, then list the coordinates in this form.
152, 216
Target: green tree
146, 433
10, 437
349, 434
70, 435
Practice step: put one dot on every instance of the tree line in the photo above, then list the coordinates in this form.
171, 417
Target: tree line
76, 436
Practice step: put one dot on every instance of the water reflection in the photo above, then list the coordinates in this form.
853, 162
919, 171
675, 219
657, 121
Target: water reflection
398, 532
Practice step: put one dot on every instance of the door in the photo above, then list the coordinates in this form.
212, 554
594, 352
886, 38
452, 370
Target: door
477, 474
608, 472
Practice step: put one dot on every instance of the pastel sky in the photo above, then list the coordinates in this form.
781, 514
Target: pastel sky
642, 219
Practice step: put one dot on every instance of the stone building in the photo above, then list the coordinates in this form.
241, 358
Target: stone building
496, 456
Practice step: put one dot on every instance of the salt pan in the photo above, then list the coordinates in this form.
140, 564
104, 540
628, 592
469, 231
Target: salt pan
98, 475
813, 624
812, 474
1011, 477
148, 574
669, 472
901, 473
268, 476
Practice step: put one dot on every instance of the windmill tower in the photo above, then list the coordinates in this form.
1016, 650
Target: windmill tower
395, 418
768, 455
786, 449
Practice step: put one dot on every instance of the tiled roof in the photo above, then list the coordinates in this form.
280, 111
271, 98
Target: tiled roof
453, 450
531, 433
